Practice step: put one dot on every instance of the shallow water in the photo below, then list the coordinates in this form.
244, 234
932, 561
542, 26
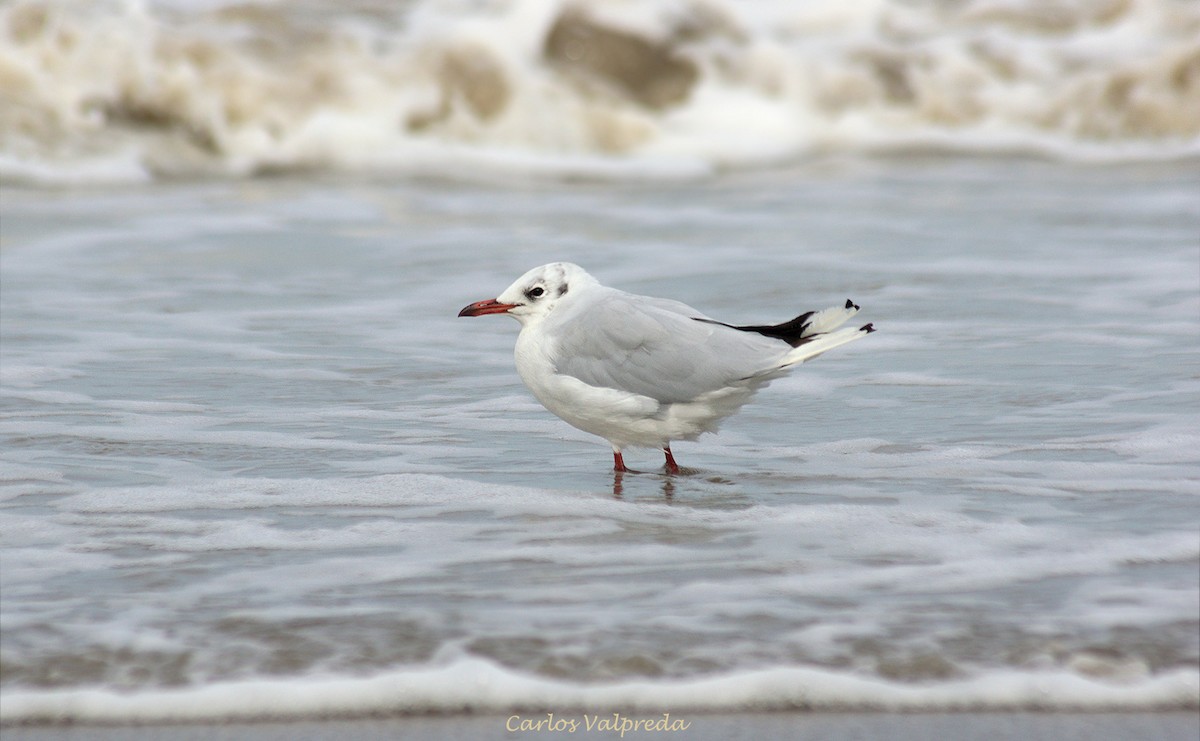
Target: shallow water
246, 440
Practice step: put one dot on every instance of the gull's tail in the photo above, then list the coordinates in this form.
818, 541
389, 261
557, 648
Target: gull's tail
816, 333
809, 334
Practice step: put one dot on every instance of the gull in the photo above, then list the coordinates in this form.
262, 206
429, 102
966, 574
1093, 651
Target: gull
640, 371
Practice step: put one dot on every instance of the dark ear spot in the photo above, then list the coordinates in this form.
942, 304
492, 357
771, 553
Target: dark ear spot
562, 289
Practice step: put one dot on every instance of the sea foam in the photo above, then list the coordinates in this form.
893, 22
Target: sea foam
475, 685
120, 92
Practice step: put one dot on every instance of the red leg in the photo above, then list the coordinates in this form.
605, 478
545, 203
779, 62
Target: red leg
672, 466
619, 462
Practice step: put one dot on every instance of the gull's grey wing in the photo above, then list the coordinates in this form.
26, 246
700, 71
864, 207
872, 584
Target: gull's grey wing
657, 348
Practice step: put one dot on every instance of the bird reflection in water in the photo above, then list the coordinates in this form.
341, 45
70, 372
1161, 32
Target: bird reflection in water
618, 484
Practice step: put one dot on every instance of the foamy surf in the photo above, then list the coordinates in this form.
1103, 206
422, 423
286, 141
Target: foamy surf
127, 91
478, 686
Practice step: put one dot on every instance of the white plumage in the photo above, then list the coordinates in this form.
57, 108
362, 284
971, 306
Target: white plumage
641, 371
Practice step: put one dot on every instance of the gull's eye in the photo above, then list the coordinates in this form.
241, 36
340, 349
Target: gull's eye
535, 292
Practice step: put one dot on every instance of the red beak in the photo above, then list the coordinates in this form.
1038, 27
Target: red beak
491, 306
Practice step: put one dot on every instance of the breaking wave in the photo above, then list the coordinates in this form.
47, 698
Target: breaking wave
100, 90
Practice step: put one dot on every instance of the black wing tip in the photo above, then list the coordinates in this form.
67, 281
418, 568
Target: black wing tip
851, 305
868, 328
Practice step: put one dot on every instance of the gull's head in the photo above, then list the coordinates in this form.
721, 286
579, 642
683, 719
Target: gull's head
534, 295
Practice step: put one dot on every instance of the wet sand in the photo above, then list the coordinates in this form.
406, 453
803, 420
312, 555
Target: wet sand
1160, 726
